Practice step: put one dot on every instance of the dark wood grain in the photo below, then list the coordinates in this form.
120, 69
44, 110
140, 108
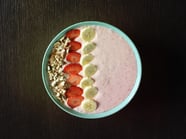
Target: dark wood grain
27, 27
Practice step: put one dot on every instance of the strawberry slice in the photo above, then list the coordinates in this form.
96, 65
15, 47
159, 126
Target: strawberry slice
74, 45
74, 79
75, 101
72, 34
73, 68
74, 91
73, 57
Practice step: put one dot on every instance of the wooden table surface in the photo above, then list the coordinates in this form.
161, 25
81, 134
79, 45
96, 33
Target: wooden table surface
157, 28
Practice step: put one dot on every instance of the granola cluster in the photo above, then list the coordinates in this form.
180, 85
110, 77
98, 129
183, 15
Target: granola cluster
57, 78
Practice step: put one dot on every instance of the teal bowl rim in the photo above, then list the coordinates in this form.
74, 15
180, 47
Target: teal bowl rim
102, 114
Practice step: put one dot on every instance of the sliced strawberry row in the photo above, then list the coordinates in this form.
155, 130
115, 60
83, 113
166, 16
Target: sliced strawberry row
73, 93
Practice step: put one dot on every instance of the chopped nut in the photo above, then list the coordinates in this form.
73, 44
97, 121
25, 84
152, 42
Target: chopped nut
60, 70
58, 94
61, 40
48, 68
61, 84
53, 83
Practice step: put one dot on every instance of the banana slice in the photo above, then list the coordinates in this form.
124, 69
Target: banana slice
89, 48
90, 92
89, 105
86, 82
86, 59
90, 70
88, 34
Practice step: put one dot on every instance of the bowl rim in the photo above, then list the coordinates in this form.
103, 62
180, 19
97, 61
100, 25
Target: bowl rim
112, 111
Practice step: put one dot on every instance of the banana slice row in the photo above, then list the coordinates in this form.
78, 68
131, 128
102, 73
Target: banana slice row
88, 104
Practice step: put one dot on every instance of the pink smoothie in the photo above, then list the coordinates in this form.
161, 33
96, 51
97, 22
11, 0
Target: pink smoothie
117, 68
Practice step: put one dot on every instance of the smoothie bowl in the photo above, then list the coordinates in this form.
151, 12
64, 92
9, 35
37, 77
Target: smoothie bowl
91, 70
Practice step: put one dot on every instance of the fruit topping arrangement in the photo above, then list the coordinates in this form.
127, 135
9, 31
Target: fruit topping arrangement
71, 72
